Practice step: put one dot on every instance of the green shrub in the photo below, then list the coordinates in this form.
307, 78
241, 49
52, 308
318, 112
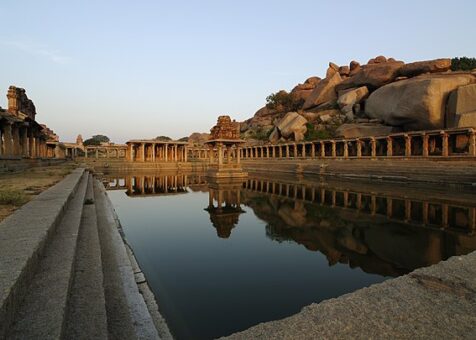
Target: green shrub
463, 64
313, 134
283, 101
13, 197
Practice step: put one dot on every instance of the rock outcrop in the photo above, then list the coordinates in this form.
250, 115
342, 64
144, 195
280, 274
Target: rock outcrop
292, 124
364, 129
323, 92
420, 67
461, 108
417, 103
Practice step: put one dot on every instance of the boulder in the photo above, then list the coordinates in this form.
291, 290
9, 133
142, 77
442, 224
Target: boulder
467, 119
301, 95
380, 59
324, 91
373, 76
198, 138
427, 66
416, 103
461, 101
313, 81
344, 71
352, 96
354, 67
292, 124
274, 136
364, 130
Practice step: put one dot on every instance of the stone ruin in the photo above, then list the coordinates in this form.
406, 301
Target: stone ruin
18, 102
225, 129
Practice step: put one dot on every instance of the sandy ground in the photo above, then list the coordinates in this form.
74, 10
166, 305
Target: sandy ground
27, 184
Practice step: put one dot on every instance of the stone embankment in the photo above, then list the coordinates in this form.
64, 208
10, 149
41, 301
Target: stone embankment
436, 302
67, 273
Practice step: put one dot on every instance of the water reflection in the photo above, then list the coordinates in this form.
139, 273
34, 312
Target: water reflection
212, 282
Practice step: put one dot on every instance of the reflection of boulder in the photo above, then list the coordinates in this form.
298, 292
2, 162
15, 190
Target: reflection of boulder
293, 216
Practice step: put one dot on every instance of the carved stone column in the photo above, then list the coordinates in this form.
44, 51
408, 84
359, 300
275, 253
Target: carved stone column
7, 133
313, 150
334, 153
359, 148
373, 146
389, 146
408, 146
445, 143
425, 139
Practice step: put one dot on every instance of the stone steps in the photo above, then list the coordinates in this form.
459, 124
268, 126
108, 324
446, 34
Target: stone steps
65, 272
42, 313
86, 314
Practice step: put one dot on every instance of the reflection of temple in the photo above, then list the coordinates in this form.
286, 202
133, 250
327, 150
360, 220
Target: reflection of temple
153, 184
225, 214
389, 233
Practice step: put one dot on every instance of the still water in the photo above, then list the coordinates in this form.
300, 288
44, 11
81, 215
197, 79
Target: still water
223, 257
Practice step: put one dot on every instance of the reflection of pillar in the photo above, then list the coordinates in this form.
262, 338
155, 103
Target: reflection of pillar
333, 198
359, 201
425, 212
472, 218
444, 215
408, 210
346, 199
408, 146
389, 207
323, 196
373, 205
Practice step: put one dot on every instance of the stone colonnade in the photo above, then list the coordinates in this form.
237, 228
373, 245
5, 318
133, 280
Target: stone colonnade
427, 213
22, 139
443, 143
156, 151
119, 151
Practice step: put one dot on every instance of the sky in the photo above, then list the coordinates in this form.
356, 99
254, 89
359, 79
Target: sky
140, 69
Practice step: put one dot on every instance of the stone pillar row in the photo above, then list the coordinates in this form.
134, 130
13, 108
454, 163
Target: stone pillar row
370, 147
18, 140
157, 152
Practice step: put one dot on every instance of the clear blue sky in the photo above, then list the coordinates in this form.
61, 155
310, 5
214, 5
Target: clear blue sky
138, 69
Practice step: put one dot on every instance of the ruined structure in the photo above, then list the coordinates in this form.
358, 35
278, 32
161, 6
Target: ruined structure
225, 141
21, 136
143, 150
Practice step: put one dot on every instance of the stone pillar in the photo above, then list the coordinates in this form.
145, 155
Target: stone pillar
24, 142
359, 148
7, 133
472, 143
408, 146
228, 154
425, 139
295, 150
287, 151
334, 153
444, 137
389, 146
238, 155
85, 152
176, 152
267, 152
313, 150
373, 146
323, 149
185, 153
142, 152
280, 151
153, 152
346, 149
129, 155
16, 140
220, 154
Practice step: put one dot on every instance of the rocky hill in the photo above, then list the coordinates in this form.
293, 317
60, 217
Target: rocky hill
383, 96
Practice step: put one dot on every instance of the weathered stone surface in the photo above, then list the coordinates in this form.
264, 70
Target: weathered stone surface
427, 66
352, 96
324, 91
198, 138
380, 59
301, 94
344, 71
373, 76
354, 67
291, 124
416, 103
225, 129
461, 101
364, 129
274, 136
467, 119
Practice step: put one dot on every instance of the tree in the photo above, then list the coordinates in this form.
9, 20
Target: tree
283, 102
163, 138
97, 140
463, 64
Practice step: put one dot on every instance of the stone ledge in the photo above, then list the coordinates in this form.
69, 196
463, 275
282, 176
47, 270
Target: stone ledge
23, 237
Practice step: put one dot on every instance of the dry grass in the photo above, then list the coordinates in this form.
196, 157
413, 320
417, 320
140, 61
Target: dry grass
18, 188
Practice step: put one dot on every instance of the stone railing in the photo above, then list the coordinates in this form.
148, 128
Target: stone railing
435, 143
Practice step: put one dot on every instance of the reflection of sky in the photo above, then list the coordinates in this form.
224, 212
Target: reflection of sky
209, 286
